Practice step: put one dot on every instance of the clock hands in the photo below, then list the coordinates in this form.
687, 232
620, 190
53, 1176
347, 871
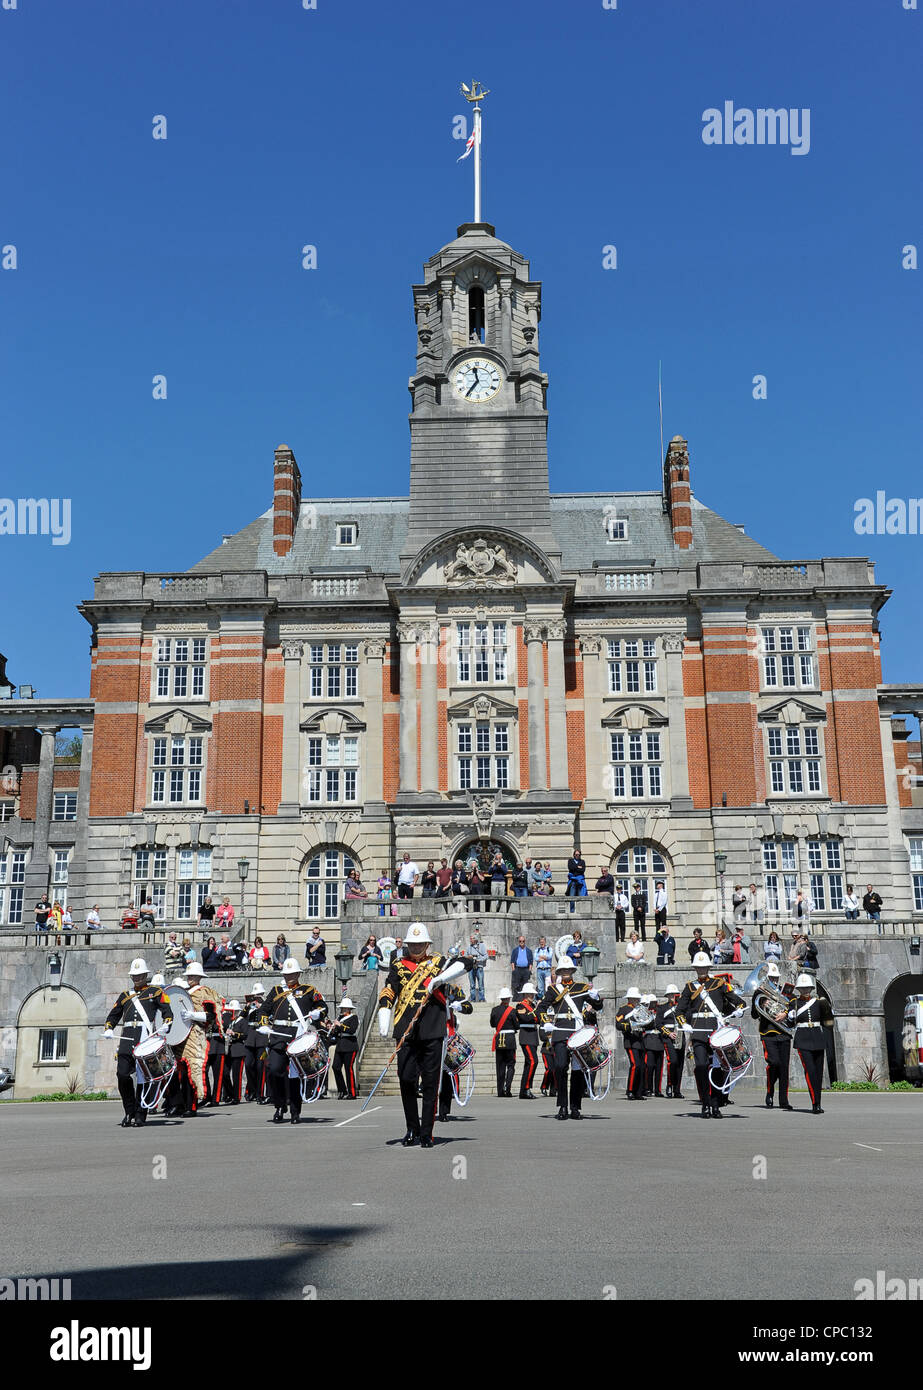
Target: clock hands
473, 384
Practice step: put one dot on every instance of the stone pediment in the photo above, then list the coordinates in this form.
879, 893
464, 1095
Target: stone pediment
480, 559
177, 721
331, 721
634, 717
792, 712
482, 707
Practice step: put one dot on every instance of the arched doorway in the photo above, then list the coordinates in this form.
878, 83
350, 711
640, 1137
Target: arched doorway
483, 852
893, 1004
51, 1042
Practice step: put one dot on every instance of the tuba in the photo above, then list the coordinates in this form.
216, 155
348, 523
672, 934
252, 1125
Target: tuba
640, 1017
768, 1000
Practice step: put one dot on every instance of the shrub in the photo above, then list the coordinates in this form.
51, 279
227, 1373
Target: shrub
73, 1095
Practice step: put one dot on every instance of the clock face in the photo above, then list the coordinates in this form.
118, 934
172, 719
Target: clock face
477, 379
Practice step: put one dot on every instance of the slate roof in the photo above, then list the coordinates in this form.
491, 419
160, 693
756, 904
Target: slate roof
578, 521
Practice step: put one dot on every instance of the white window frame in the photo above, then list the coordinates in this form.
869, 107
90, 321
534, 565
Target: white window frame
483, 753
637, 762
178, 677
788, 656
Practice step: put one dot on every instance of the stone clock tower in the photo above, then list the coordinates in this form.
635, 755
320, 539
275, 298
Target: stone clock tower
478, 423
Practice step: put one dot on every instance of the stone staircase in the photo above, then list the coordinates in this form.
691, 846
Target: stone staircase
475, 1027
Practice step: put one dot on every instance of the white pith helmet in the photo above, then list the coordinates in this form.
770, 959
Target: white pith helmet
234, 1004
194, 968
417, 935
805, 982
138, 967
158, 980
528, 989
505, 993
346, 1004
633, 993
701, 961
565, 963
291, 966
257, 989
671, 989
773, 970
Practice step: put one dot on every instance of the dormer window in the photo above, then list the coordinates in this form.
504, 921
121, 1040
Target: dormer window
617, 528
476, 314
347, 533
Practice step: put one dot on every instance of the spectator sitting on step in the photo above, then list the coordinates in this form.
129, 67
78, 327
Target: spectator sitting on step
146, 914
317, 950
353, 890
634, 949
259, 955
94, 924
605, 883
210, 958
129, 918
226, 955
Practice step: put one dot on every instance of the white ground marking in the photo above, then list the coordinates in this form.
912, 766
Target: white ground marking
341, 1123
866, 1146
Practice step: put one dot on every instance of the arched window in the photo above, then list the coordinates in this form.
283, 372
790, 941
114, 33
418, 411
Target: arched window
325, 874
476, 317
645, 865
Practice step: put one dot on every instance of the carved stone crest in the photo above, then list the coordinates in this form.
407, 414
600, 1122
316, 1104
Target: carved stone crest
480, 565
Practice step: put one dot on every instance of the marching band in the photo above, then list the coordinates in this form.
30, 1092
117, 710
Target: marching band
182, 1046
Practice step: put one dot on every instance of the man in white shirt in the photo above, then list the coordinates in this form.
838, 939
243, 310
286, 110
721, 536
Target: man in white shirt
93, 922
408, 876
660, 906
621, 904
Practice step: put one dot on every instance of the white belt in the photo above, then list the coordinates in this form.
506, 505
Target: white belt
506, 1030
809, 1025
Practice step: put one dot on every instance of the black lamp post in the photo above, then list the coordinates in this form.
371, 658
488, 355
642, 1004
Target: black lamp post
243, 868
55, 969
721, 863
589, 962
344, 967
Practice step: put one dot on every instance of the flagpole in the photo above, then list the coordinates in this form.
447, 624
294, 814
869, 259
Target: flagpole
477, 163
475, 94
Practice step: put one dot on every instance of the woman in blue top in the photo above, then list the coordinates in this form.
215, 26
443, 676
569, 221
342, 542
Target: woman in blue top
577, 947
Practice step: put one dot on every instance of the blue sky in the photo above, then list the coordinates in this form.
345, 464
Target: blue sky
332, 127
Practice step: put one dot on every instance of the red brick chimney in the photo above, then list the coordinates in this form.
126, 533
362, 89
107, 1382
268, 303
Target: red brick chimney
676, 491
286, 499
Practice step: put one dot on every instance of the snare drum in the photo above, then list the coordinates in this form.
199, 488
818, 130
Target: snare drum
307, 1055
458, 1053
588, 1047
154, 1058
730, 1048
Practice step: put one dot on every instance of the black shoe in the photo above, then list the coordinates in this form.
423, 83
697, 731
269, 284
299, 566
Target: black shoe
562, 1113
658, 1095
526, 1095
295, 1120
678, 1095
442, 1118
576, 1115
816, 1110
410, 1139
278, 1117
669, 1093
786, 1106
427, 1142
706, 1112
341, 1095
140, 1121
716, 1112
127, 1121
769, 1102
